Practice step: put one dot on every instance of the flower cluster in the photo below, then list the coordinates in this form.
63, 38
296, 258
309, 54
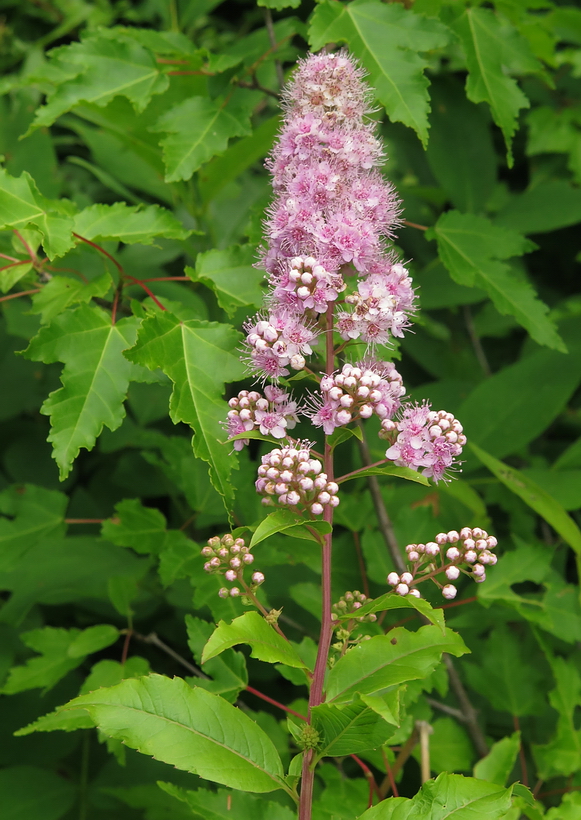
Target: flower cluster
229, 556
357, 391
273, 414
331, 202
424, 439
289, 476
302, 285
471, 547
381, 307
278, 342
348, 604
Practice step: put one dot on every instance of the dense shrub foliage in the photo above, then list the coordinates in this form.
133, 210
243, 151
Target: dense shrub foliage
134, 205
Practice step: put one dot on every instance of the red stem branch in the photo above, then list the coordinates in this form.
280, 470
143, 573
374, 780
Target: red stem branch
262, 696
16, 295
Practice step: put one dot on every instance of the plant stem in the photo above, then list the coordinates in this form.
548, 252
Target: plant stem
467, 709
317, 695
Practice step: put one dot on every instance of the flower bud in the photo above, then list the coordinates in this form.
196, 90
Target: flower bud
230, 575
452, 573
257, 578
402, 589
393, 579
449, 591
407, 578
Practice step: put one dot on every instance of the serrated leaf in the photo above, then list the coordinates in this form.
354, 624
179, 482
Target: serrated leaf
190, 729
547, 206
284, 520
389, 469
491, 45
199, 357
228, 670
98, 69
392, 600
278, 5
95, 377
449, 797
62, 291
536, 498
251, 628
136, 526
61, 650
22, 205
349, 730
224, 805
387, 39
35, 515
198, 129
471, 248
231, 275
129, 224
387, 660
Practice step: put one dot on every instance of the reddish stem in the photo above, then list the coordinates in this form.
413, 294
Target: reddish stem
101, 250
343, 478
168, 279
415, 225
521, 754
114, 306
16, 295
84, 520
136, 281
27, 247
11, 258
126, 643
274, 702
389, 774
15, 264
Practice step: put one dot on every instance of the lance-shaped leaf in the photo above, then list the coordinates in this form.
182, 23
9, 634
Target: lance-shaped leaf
387, 39
349, 730
492, 46
228, 671
471, 248
449, 797
250, 628
499, 762
284, 520
387, 660
204, 804
95, 377
22, 206
198, 129
99, 68
190, 729
129, 224
392, 600
199, 357
35, 514
231, 275
536, 498
387, 469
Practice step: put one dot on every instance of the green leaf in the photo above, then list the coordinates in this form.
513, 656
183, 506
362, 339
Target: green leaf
251, 628
387, 39
128, 224
95, 377
349, 730
228, 671
546, 207
33, 793
190, 729
391, 601
284, 520
278, 5
536, 498
198, 357
449, 797
134, 525
499, 762
63, 291
528, 562
22, 206
231, 275
505, 674
492, 46
450, 747
61, 650
562, 755
461, 130
389, 469
198, 128
222, 805
497, 413
98, 69
387, 660
471, 248
35, 514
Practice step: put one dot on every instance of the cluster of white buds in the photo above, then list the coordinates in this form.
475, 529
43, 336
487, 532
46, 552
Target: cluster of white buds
304, 284
273, 414
282, 340
471, 547
357, 391
348, 604
290, 477
229, 556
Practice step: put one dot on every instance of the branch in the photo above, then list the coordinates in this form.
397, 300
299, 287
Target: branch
274, 45
469, 712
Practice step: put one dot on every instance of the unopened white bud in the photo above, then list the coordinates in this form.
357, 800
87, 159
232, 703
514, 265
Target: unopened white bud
470, 557
478, 570
234, 592
416, 593
407, 578
432, 548
452, 573
393, 579
257, 578
230, 575
453, 554
449, 591
316, 508
413, 556
453, 536
402, 589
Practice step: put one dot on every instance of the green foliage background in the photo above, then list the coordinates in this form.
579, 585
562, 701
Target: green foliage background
132, 137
